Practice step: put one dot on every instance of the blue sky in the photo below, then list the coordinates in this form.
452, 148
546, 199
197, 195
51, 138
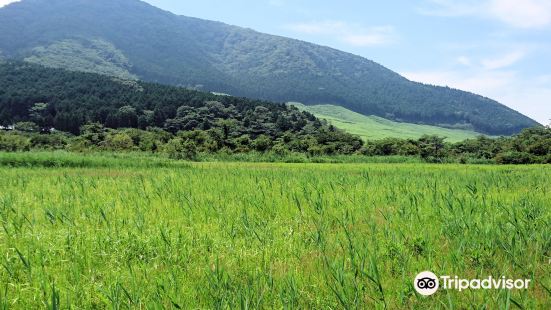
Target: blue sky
497, 48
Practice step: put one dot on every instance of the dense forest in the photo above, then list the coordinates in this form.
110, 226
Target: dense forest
37, 99
131, 39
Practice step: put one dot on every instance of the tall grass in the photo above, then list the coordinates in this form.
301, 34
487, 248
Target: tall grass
95, 160
260, 235
147, 160
303, 158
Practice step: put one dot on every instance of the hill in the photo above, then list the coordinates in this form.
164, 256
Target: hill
56, 98
374, 127
132, 39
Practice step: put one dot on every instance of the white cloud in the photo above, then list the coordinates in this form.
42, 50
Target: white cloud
515, 13
531, 97
522, 13
347, 33
373, 36
464, 60
503, 61
6, 2
451, 8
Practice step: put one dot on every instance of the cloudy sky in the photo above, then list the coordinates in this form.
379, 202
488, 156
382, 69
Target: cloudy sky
496, 48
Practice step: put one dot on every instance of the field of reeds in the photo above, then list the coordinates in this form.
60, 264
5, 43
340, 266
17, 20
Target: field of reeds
127, 232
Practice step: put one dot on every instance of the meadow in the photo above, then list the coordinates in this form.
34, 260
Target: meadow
127, 232
376, 128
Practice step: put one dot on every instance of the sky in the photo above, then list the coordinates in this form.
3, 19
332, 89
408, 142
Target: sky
496, 48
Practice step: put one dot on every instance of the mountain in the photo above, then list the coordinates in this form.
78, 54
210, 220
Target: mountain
132, 39
375, 128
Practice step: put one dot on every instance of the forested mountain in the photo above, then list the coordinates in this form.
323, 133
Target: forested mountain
132, 39
39, 97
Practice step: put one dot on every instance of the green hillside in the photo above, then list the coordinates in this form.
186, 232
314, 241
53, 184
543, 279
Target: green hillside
374, 127
95, 56
130, 38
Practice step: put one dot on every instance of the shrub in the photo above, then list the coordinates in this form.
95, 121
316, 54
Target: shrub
262, 143
119, 141
515, 158
315, 150
178, 148
14, 143
53, 141
280, 149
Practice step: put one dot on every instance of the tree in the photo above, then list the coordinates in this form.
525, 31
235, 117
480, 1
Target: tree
26, 127
127, 117
146, 119
179, 148
119, 141
515, 158
431, 148
39, 115
227, 126
262, 143
93, 134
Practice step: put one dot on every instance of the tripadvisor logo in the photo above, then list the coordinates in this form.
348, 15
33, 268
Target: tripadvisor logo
427, 283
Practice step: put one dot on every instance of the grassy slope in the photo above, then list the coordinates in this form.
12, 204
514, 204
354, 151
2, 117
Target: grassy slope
250, 235
374, 127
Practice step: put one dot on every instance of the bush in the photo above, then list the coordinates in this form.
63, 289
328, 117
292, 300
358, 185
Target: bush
262, 143
119, 142
12, 142
315, 150
178, 148
54, 141
515, 158
280, 149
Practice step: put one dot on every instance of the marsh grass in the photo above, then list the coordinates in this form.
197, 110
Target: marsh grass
261, 235
65, 159
62, 159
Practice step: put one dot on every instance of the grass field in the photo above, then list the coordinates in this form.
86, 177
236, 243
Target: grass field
374, 128
121, 233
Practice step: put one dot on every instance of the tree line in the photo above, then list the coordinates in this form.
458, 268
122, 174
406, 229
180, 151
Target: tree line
531, 146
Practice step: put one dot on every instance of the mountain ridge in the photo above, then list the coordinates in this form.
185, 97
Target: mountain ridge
185, 51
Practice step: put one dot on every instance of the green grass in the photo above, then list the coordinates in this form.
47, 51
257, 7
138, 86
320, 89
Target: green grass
267, 235
374, 127
62, 159
145, 160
